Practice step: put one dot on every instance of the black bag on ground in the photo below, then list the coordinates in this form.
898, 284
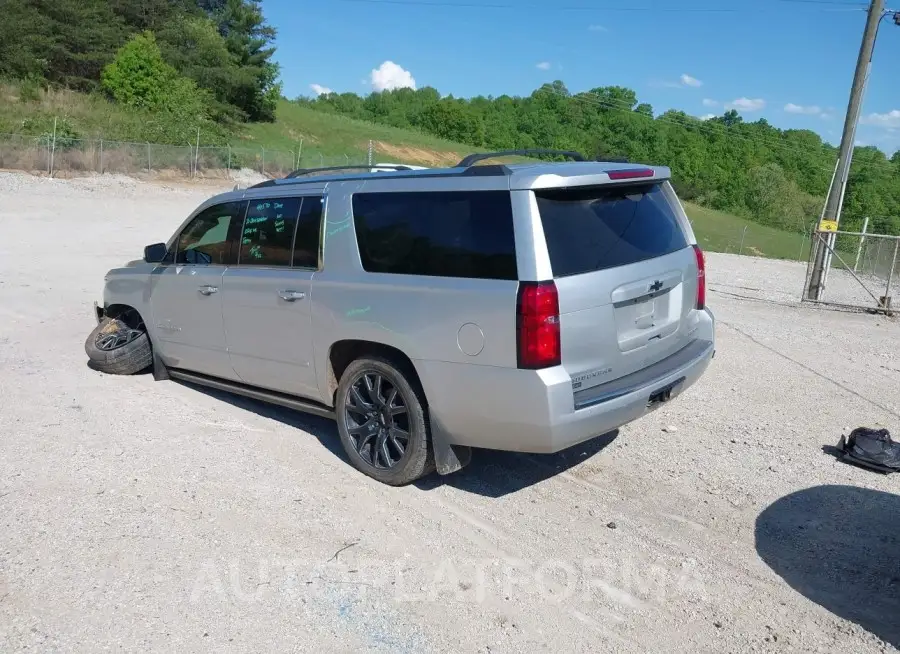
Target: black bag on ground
871, 448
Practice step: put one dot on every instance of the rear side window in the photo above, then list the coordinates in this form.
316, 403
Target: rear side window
268, 235
605, 227
443, 234
309, 228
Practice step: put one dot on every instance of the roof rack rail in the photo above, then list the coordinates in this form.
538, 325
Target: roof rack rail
308, 171
481, 156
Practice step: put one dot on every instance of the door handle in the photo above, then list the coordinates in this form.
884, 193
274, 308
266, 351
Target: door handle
290, 296
208, 290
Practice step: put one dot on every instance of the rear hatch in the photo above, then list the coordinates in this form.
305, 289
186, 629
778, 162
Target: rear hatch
626, 275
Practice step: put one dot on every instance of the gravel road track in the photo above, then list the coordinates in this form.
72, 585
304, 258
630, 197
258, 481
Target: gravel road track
142, 515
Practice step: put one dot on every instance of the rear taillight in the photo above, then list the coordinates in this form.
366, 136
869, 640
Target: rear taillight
537, 323
701, 278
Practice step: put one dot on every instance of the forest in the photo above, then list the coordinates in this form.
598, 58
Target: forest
203, 60
773, 176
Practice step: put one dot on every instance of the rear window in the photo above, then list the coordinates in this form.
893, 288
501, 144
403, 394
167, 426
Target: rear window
605, 227
440, 234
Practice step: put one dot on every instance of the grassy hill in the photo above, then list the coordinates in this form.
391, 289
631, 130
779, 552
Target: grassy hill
717, 231
337, 136
330, 139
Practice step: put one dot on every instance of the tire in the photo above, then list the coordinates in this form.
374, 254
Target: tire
130, 355
351, 409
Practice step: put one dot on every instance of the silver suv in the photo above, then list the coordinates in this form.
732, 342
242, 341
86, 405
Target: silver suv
525, 307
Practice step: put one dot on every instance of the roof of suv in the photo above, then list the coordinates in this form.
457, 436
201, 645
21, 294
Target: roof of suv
531, 175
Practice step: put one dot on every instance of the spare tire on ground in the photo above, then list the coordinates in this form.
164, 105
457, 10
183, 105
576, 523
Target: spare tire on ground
116, 348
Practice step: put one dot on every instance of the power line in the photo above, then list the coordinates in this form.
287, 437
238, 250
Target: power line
844, 3
845, 6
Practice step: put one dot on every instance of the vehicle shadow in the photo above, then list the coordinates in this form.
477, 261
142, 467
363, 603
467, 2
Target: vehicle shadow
323, 429
490, 474
494, 473
839, 546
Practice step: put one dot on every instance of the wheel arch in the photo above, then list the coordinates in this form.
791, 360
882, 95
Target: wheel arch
342, 353
448, 458
129, 314
134, 318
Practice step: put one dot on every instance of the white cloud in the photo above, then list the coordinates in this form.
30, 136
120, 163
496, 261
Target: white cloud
318, 89
710, 103
890, 119
597, 28
747, 104
708, 117
685, 81
544, 65
812, 110
389, 76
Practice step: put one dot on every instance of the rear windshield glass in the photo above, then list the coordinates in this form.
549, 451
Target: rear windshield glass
604, 227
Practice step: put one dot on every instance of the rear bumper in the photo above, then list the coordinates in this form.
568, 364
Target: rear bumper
537, 411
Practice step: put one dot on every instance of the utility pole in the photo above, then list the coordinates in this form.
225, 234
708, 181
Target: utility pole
832, 215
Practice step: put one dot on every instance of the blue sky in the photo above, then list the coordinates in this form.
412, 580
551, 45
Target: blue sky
789, 61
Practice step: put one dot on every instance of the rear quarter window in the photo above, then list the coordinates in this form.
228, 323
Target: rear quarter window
596, 228
465, 234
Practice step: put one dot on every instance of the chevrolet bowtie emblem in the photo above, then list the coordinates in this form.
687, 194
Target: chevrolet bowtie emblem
655, 286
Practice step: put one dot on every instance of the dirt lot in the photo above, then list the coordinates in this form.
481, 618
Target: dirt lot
137, 515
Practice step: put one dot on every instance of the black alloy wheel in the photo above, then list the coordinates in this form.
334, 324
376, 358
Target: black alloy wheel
377, 420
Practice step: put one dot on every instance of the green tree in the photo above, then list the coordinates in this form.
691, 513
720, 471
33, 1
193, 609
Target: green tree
225, 46
614, 97
142, 15
249, 39
452, 119
73, 39
139, 77
194, 47
26, 39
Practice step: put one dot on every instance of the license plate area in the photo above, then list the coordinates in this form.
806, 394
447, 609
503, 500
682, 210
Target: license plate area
642, 320
664, 394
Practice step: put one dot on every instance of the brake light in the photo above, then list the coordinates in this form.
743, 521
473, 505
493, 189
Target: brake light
634, 173
701, 277
537, 323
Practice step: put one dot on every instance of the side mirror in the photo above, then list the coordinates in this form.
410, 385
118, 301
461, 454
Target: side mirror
155, 253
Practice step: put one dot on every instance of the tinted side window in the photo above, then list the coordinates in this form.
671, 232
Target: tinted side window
446, 234
597, 228
309, 230
206, 240
268, 234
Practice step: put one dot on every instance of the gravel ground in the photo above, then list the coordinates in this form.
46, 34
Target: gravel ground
137, 515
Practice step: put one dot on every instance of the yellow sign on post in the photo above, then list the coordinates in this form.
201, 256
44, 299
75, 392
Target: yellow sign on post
828, 226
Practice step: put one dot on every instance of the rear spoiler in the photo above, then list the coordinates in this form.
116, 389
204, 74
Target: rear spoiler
528, 179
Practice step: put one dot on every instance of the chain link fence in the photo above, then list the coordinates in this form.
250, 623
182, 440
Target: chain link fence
71, 157
862, 270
